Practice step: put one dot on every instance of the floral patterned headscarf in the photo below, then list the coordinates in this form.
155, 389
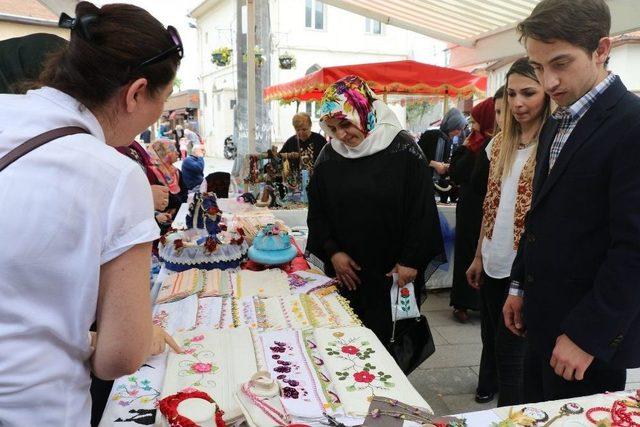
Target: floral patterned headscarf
161, 165
351, 99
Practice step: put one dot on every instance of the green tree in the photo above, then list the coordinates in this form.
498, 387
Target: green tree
177, 84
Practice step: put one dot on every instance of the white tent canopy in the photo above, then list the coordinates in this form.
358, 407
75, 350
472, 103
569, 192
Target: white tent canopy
480, 31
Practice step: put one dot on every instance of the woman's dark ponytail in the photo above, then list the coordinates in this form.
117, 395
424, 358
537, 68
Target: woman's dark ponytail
106, 46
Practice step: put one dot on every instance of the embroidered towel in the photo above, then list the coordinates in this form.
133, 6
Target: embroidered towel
286, 312
177, 315
215, 312
180, 285
361, 367
216, 362
340, 311
266, 283
316, 311
304, 282
244, 312
288, 363
217, 283
134, 397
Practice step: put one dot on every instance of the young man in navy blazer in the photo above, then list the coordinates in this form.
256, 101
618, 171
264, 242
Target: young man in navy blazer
576, 278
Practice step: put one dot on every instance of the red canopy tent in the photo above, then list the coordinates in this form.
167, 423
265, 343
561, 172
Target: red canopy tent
397, 77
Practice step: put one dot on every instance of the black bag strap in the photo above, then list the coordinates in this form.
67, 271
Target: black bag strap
38, 141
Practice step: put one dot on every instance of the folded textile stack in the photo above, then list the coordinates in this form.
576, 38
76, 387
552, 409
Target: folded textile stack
180, 285
216, 283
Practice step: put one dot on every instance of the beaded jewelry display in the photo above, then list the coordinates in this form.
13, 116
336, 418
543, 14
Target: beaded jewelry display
385, 407
258, 390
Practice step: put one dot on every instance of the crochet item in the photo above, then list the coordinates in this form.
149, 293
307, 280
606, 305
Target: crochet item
172, 408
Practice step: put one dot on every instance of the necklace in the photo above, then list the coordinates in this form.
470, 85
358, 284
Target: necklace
280, 418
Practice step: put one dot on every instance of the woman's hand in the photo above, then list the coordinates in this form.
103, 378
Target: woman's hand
405, 274
346, 268
440, 167
160, 195
161, 339
474, 273
163, 218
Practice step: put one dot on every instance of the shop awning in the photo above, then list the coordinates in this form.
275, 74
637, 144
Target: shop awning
397, 77
480, 31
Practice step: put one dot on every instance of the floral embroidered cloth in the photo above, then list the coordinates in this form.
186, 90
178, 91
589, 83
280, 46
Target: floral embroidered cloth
216, 362
288, 362
286, 312
133, 397
217, 283
361, 367
177, 315
244, 312
266, 283
304, 282
317, 312
340, 311
215, 312
180, 285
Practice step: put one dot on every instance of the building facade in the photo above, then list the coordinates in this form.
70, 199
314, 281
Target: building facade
23, 17
315, 34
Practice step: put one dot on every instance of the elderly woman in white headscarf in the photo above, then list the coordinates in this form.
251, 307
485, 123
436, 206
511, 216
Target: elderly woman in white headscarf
371, 206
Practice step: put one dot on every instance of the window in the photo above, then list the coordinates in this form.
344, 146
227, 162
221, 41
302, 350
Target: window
314, 14
313, 109
372, 26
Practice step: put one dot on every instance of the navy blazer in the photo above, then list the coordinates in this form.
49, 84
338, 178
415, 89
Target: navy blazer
579, 259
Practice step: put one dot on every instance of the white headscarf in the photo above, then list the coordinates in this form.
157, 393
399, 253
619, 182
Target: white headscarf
351, 99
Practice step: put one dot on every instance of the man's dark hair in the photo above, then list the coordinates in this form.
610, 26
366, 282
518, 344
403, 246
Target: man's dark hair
579, 22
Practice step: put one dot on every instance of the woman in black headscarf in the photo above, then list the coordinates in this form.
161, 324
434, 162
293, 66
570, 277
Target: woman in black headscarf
371, 206
23, 59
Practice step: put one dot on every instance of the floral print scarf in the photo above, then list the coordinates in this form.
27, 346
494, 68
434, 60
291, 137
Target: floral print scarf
161, 165
351, 99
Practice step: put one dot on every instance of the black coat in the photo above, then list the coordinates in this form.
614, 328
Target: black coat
470, 171
579, 259
380, 210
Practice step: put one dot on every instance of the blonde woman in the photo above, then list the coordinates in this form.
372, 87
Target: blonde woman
512, 161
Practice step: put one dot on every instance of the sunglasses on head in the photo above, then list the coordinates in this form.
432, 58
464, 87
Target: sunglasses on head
176, 48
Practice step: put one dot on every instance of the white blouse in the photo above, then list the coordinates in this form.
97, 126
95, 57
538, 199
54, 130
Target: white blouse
498, 253
68, 207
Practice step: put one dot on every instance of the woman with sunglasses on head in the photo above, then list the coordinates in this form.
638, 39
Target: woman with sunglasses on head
77, 250
512, 157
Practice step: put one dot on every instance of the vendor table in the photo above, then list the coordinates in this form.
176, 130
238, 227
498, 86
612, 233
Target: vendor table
296, 219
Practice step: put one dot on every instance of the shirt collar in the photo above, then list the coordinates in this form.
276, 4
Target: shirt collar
80, 115
579, 108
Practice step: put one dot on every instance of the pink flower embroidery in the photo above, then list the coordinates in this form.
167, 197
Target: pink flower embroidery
405, 292
189, 351
197, 338
364, 377
202, 368
350, 349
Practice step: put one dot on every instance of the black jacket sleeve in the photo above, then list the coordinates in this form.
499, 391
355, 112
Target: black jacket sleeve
462, 163
320, 242
422, 238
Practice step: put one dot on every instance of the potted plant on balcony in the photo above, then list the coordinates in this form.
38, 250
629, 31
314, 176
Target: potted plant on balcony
287, 61
221, 56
